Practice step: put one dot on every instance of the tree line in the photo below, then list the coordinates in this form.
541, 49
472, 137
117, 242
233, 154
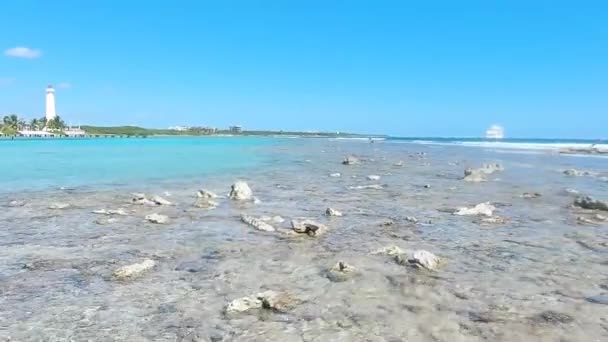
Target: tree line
12, 124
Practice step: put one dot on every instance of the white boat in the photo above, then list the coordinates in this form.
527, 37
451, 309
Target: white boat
495, 132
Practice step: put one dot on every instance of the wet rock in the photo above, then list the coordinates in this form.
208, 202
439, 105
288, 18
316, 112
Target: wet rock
119, 211
257, 223
387, 223
333, 212
598, 299
478, 175
491, 168
335, 175
341, 271
157, 218
270, 300
308, 227
367, 187
427, 186
482, 209
160, 200
15, 204
277, 301
529, 195
389, 250
206, 194
473, 175
411, 219
569, 191
576, 173
373, 177
586, 220
420, 259
553, 317
60, 205
140, 199
242, 305
104, 222
588, 202
205, 203
241, 191
273, 219
350, 160
134, 270
493, 220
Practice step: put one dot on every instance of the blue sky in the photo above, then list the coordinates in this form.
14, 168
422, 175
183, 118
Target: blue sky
409, 68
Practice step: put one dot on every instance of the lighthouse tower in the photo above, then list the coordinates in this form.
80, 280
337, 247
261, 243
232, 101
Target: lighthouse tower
50, 103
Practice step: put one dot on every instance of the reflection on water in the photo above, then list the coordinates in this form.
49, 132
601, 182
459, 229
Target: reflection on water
539, 276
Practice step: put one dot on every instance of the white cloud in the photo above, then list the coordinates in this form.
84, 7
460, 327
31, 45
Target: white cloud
5, 81
64, 85
22, 52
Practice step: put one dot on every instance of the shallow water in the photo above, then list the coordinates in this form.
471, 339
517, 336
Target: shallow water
528, 279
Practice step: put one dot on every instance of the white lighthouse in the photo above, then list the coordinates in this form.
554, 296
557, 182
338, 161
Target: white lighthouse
50, 103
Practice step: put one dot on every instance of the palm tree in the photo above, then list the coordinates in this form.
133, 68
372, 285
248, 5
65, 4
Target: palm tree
21, 124
11, 121
56, 124
34, 124
42, 123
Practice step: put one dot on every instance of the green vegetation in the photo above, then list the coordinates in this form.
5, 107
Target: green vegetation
134, 130
11, 124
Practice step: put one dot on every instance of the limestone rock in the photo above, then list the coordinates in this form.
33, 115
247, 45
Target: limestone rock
160, 200
389, 250
367, 187
529, 195
103, 222
257, 223
241, 191
482, 209
373, 177
332, 212
308, 227
243, 304
60, 205
15, 204
205, 203
140, 199
118, 211
134, 270
493, 220
588, 202
273, 219
350, 160
420, 259
341, 271
157, 218
576, 173
206, 194
411, 219
277, 301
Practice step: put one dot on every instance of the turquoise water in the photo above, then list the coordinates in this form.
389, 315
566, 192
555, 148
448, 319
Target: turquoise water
41, 164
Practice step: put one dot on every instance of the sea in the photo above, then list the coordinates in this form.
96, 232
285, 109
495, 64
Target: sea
536, 269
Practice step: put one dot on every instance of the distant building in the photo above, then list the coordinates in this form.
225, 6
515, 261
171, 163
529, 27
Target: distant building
236, 129
179, 128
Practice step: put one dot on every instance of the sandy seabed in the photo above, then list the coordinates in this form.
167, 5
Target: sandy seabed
537, 274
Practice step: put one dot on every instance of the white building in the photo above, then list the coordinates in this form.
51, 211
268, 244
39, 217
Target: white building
50, 103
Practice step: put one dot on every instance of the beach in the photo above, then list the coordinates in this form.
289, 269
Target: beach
535, 269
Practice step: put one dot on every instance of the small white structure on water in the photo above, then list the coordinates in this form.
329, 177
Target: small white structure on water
495, 132
50, 103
